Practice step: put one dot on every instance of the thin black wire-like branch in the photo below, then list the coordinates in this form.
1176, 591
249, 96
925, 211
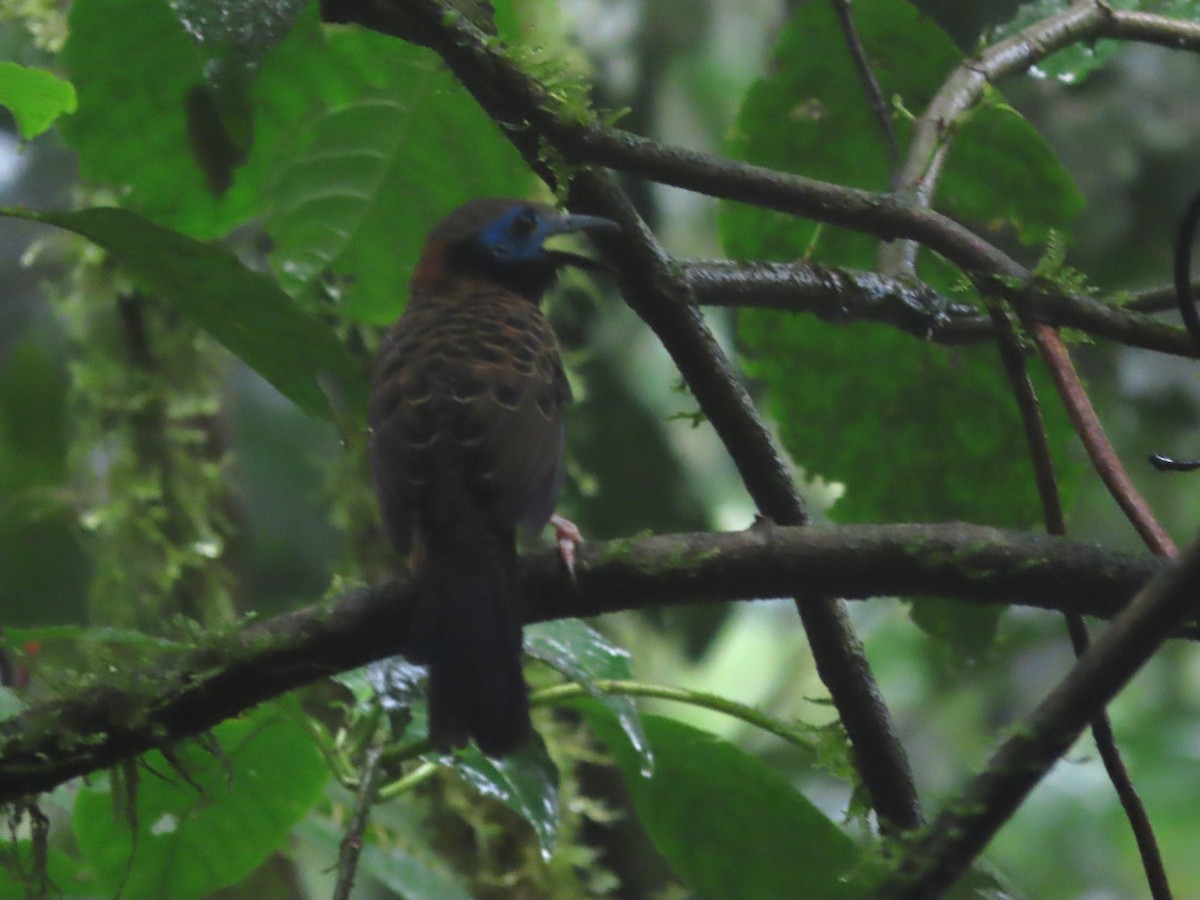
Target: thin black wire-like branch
845, 295
535, 121
870, 85
1159, 299
948, 846
99, 727
1118, 774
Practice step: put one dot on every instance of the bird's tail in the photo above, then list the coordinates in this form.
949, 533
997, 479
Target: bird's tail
467, 629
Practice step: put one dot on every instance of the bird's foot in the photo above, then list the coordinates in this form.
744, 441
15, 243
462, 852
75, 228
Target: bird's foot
568, 537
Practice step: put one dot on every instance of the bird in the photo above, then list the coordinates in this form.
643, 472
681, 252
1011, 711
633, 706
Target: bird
466, 448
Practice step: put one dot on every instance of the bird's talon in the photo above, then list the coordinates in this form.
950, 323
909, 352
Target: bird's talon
568, 537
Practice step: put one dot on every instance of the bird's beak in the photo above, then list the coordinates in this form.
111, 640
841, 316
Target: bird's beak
570, 223
565, 224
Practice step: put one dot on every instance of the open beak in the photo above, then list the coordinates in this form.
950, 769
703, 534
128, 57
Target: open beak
571, 223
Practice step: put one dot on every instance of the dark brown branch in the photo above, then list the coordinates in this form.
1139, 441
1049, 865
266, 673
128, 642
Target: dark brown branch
1052, 514
1095, 442
937, 858
58, 740
845, 295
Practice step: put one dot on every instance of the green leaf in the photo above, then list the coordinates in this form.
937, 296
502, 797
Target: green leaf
371, 177
131, 129
67, 877
1001, 173
729, 825
526, 782
585, 656
410, 877
809, 116
301, 356
35, 97
926, 422
414, 873
192, 839
10, 702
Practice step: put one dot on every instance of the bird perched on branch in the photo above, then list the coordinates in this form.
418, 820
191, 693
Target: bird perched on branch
467, 446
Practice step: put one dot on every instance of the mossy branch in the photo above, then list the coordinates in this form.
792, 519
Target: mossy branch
69, 736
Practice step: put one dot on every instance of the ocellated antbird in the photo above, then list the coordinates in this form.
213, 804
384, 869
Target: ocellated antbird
467, 446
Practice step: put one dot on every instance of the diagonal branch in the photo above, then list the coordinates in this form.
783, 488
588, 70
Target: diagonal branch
1055, 520
965, 826
57, 740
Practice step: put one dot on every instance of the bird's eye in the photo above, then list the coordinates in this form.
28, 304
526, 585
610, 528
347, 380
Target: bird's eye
524, 223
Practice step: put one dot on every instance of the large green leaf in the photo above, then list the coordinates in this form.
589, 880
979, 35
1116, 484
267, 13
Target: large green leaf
242, 309
212, 825
368, 180
411, 872
915, 431
35, 97
810, 116
1001, 173
729, 825
134, 82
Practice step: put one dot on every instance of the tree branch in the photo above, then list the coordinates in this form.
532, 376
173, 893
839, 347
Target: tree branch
1055, 520
965, 826
846, 295
96, 728
1081, 22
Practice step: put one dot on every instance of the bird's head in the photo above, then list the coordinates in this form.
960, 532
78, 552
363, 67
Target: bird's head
503, 241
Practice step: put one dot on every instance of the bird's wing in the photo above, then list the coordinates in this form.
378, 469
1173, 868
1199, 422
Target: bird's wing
470, 392
511, 392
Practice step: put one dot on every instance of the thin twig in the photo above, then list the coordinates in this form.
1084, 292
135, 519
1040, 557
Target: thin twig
1056, 524
1095, 442
1118, 774
352, 842
870, 86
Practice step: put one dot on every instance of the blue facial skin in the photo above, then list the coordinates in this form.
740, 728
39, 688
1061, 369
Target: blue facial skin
517, 236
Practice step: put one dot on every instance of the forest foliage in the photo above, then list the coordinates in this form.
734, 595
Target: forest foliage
182, 436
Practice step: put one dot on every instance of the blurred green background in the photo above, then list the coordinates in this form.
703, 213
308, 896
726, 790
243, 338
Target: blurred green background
295, 510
